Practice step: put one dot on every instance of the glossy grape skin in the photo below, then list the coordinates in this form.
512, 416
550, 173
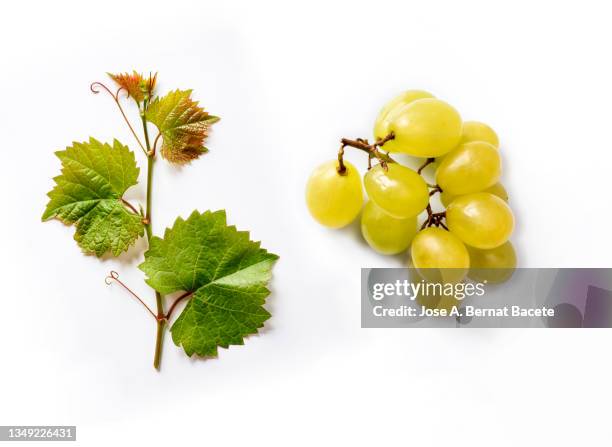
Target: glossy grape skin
477, 131
493, 266
334, 200
481, 220
426, 127
469, 168
381, 126
497, 190
398, 190
384, 233
435, 248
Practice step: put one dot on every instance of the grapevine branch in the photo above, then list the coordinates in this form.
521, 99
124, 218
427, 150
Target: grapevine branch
161, 317
149, 151
120, 168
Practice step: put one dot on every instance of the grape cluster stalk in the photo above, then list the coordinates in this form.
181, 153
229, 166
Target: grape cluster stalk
374, 152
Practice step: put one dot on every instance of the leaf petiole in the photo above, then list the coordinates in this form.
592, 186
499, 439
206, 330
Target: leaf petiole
178, 300
130, 206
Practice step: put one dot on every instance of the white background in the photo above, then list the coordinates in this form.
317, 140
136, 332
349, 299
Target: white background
289, 79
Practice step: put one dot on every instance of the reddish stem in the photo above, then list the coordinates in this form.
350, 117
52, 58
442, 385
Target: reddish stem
129, 205
114, 276
176, 301
115, 96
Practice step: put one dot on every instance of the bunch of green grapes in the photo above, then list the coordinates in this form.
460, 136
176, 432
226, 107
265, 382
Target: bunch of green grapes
470, 237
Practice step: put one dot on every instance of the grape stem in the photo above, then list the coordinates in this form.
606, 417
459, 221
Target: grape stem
424, 165
373, 151
434, 218
435, 189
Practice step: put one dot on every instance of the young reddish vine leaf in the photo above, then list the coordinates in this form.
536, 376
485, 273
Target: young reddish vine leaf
131, 84
89, 195
136, 86
220, 270
183, 125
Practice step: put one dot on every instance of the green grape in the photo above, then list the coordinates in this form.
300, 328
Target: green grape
384, 233
494, 266
481, 220
497, 190
426, 127
398, 190
439, 255
381, 126
477, 131
334, 199
469, 168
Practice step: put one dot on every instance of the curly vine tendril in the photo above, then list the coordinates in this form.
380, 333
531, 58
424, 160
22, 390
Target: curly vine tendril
95, 89
114, 277
96, 86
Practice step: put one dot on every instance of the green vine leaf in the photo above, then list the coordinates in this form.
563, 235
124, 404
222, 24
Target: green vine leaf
183, 125
89, 193
226, 272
